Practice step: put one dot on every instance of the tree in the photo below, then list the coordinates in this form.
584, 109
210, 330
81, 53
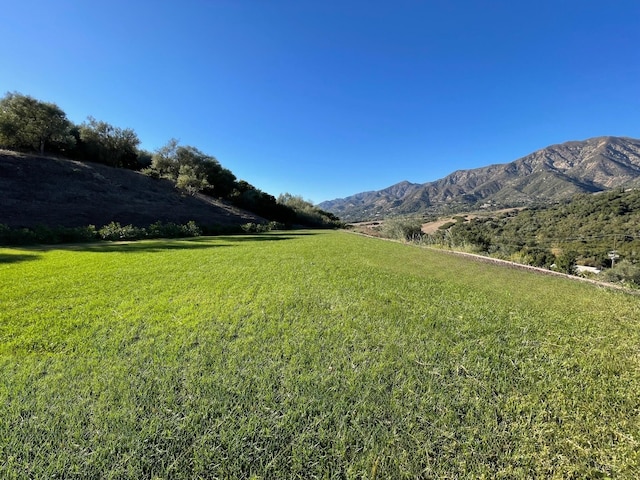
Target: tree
221, 181
192, 169
104, 143
144, 159
566, 262
164, 162
297, 202
404, 229
189, 180
305, 212
29, 124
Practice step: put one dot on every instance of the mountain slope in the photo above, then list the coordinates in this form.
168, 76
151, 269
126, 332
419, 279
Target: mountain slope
553, 173
54, 192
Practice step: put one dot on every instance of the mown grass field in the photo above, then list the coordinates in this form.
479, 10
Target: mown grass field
309, 355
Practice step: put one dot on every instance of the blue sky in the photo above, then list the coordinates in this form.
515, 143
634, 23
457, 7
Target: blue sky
326, 98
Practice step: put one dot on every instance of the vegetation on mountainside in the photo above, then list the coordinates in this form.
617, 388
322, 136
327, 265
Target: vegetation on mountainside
585, 231
309, 355
27, 124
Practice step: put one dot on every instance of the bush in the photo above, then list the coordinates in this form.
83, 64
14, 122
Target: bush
46, 235
623, 272
80, 234
191, 229
403, 229
14, 236
115, 231
165, 230
255, 227
277, 226
566, 262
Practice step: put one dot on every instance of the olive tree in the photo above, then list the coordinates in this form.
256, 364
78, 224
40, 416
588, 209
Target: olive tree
29, 124
192, 170
104, 143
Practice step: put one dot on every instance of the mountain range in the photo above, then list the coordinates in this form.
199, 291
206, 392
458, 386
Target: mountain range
552, 174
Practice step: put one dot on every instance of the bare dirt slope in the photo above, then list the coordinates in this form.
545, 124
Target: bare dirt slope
55, 192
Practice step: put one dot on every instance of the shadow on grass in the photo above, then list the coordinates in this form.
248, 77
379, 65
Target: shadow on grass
5, 258
258, 237
163, 245
194, 243
156, 245
143, 246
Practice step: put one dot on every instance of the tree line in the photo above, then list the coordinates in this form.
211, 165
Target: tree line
31, 125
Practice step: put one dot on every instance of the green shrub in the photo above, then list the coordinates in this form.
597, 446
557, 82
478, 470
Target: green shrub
16, 236
191, 229
80, 234
255, 227
165, 230
46, 235
623, 272
276, 226
566, 262
115, 231
112, 231
402, 229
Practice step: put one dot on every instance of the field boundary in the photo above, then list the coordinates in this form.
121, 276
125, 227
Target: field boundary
509, 264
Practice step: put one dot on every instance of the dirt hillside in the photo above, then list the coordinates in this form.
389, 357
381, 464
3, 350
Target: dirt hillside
55, 192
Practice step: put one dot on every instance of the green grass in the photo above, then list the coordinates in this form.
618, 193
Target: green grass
309, 355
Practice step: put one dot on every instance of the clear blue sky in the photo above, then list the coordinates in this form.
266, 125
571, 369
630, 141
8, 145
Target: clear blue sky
329, 98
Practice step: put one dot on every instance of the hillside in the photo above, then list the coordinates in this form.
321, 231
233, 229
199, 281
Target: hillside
588, 227
55, 192
551, 174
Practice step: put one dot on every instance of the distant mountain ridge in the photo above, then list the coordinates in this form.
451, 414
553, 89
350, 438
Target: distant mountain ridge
548, 175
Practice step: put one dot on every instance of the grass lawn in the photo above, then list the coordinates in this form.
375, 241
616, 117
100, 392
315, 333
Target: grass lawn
309, 355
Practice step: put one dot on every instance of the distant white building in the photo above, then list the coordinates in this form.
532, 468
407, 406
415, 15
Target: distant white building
586, 269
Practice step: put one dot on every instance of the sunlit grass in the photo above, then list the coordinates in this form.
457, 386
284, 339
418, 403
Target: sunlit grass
309, 355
